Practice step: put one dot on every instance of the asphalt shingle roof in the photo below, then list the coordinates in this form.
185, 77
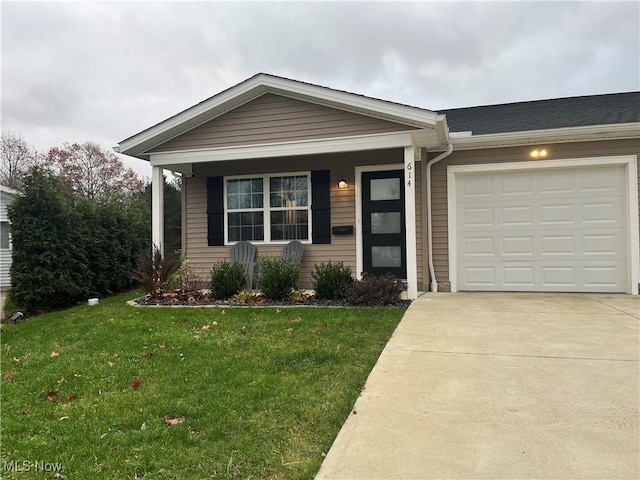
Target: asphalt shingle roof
544, 114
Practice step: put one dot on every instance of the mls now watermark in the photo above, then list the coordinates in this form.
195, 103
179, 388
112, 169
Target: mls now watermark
32, 466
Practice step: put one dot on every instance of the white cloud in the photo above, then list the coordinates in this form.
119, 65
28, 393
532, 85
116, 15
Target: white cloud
104, 71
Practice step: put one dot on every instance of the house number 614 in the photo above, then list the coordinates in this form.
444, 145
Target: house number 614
409, 167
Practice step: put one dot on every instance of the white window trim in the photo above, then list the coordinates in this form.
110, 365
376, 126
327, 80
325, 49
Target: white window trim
266, 210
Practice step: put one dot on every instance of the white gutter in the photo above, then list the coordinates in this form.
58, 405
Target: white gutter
432, 272
617, 131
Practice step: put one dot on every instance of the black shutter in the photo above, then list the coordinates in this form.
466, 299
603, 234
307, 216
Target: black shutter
321, 206
215, 211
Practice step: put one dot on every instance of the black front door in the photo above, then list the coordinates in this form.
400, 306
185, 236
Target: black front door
383, 223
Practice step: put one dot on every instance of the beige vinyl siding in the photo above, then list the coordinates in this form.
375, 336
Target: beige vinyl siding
342, 247
499, 155
274, 118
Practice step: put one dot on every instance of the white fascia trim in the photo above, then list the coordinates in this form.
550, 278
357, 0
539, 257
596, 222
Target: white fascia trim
629, 161
303, 147
463, 140
403, 113
265, 83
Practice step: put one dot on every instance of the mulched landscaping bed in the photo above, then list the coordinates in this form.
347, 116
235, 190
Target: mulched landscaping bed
204, 299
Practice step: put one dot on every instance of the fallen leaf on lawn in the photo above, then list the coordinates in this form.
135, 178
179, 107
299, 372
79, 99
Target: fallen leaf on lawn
61, 381
51, 396
205, 327
163, 344
111, 364
54, 354
222, 312
278, 310
116, 355
16, 359
296, 320
63, 418
8, 376
289, 330
144, 426
24, 412
77, 375
170, 420
214, 323
135, 384
325, 324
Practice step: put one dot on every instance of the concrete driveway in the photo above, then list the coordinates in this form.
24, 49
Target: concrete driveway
500, 386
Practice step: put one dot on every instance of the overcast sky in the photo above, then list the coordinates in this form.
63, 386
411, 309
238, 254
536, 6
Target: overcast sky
73, 72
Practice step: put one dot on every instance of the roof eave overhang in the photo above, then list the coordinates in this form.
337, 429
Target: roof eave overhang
466, 140
424, 138
8, 190
139, 144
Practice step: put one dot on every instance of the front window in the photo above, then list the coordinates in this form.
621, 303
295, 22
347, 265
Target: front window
245, 201
272, 208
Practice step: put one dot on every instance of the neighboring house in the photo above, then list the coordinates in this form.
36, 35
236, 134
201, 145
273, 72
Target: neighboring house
531, 196
6, 197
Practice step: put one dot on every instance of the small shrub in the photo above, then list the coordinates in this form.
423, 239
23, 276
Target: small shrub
373, 291
331, 280
153, 272
184, 279
297, 296
278, 277
227, 279
245, 296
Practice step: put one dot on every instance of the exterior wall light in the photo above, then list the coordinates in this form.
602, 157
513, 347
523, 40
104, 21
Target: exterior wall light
343, 184
538, 153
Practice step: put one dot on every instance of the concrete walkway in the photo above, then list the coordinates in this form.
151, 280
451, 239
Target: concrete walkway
500, 386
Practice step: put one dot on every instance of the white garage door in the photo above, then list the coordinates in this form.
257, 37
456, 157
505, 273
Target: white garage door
562, 230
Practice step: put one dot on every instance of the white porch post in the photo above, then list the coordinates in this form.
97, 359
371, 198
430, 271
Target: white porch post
410, 221
157, 208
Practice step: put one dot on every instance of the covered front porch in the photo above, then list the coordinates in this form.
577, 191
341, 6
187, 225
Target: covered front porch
271, 160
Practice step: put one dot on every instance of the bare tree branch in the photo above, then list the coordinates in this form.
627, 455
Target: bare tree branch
17, 158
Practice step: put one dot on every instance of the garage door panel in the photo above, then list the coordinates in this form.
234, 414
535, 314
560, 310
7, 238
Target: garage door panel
557, 214
603, 244
519, 277
479, 247
481, 276
478, 217
516, 215
518, 245
515, 184
604, 212
545, 230
564, 245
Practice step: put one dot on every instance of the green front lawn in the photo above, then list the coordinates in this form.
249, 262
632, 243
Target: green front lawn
251, 393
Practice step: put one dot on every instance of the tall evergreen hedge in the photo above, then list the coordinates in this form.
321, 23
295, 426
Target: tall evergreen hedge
66, 249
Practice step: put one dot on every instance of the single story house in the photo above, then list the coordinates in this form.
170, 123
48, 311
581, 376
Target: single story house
6, 197
537, 196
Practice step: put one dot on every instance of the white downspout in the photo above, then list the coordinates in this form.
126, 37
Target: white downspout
432, 272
